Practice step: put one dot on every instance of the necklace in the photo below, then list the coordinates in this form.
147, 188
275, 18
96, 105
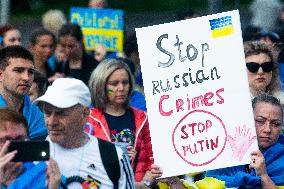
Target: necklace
85, 144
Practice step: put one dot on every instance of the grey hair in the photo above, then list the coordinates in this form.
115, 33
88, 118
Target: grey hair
99, 77
267, 98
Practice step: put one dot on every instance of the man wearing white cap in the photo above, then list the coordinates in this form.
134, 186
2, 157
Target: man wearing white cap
80, 156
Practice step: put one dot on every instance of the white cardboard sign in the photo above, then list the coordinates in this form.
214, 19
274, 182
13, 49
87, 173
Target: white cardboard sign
197, 93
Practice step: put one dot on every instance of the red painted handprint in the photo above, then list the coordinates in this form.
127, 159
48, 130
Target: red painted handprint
241, 142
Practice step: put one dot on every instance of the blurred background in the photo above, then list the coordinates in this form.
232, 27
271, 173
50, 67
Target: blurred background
26, 14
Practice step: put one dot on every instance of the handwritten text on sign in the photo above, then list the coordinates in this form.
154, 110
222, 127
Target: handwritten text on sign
199, 132
100, 26
196, 134
184, 79
195, 82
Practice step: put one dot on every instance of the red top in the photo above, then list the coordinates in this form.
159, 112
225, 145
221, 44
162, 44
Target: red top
142, 144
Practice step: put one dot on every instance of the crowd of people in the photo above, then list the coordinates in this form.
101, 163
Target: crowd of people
91, 108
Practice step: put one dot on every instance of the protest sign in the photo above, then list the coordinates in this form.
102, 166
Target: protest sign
100, 26
197, 93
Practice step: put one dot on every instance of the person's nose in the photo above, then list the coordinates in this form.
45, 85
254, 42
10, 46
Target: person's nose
120, 86
17, 42
63, 49
260, 71
48, 50
266, 127
52, 119
26, 75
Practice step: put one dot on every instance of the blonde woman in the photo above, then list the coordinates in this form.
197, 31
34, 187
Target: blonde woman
112, 118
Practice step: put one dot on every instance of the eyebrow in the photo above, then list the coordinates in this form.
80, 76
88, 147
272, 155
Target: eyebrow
20, 67
268, 119
51, 108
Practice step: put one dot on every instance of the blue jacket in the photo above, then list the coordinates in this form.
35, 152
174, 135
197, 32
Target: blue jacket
236, 176
33, 177
281, 139
281, 74
34, 117
137, 100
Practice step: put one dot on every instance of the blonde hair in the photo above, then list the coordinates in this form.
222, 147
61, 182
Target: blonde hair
99, 78
52, 20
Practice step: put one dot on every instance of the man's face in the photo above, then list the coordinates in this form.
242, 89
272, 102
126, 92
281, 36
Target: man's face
64, 124
12, 131
268, 123
16, 79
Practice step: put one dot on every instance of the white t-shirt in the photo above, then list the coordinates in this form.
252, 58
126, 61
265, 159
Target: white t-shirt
86, 162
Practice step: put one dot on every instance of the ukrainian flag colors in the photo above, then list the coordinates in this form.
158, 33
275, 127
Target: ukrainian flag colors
100, 26
221, 26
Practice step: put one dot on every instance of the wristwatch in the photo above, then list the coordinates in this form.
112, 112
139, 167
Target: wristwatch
147, 183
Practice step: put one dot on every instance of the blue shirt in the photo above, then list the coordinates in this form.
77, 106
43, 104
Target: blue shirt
237, 176
137, 100
281, 74
33, 177
34, 117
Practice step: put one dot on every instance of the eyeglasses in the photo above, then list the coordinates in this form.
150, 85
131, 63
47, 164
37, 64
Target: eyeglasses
253, 67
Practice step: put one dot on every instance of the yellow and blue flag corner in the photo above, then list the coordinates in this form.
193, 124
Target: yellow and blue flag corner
221, 27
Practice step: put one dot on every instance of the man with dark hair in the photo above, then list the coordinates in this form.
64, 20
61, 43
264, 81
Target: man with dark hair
16, 77
19, 175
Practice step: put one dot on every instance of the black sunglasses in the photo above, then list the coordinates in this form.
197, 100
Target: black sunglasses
253, 67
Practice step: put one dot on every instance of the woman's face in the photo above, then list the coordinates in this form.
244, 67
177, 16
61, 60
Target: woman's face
12, 37
43, 48
261, 78
117, 87
268, 124
70, 47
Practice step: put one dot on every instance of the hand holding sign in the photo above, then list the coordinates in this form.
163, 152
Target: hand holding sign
192, 79
258, 163
241, 143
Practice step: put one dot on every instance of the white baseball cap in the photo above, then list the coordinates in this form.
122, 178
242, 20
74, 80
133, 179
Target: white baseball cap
66, 92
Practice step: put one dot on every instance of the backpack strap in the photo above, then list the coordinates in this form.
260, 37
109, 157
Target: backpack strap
110, 161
